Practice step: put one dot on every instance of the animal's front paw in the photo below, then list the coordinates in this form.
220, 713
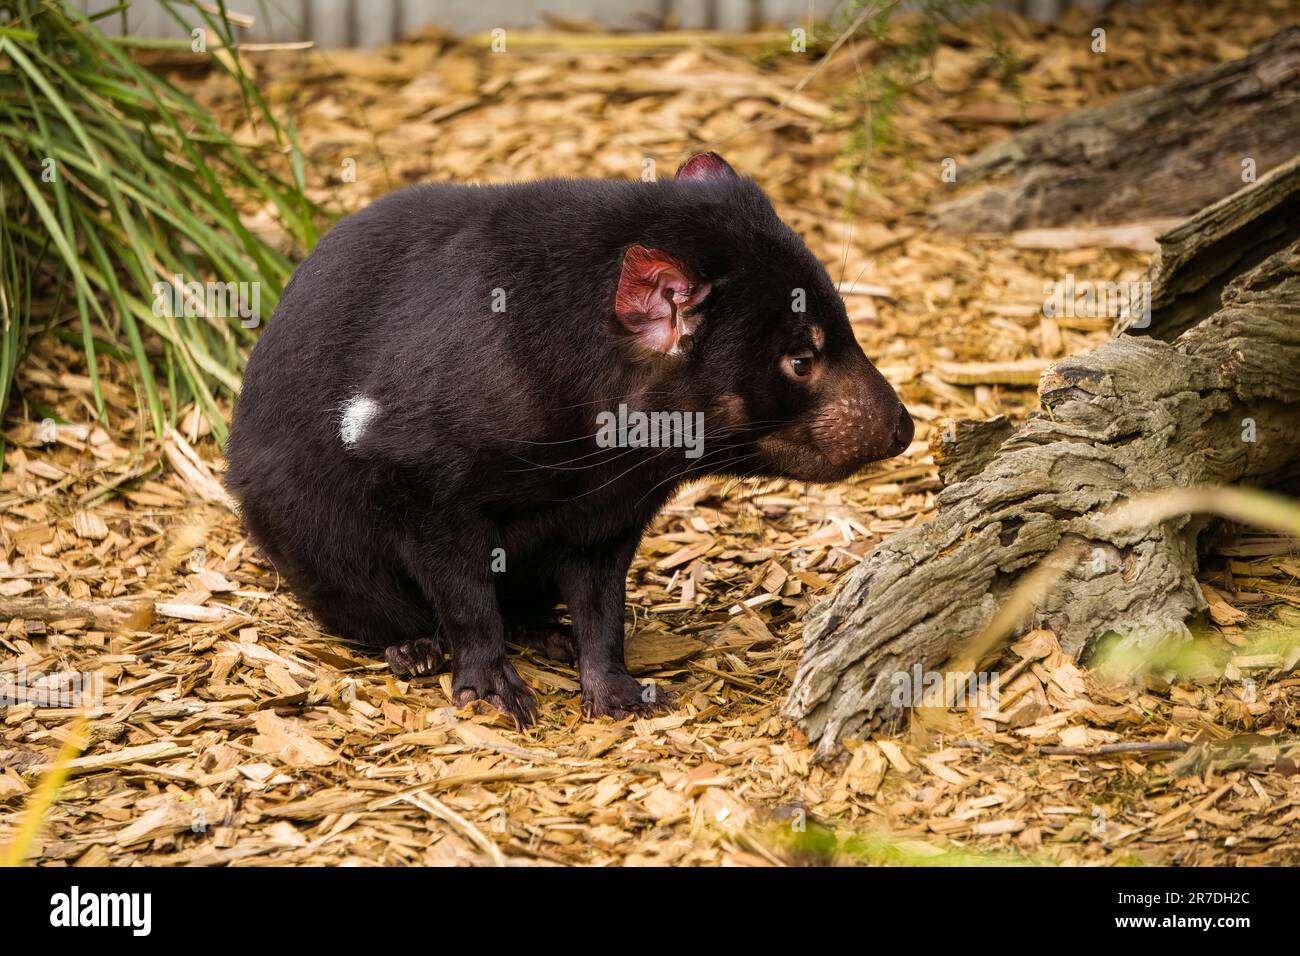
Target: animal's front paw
498, 684
418, 658
620, 695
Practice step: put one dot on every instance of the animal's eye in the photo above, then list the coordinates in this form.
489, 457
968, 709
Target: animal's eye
799, 366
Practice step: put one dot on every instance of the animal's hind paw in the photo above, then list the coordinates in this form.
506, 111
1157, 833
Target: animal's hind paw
621, 696
418, 658
553, 641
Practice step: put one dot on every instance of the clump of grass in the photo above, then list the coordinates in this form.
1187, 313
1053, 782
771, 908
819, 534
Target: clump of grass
906, 42
818, 844
112, 181
1203, 658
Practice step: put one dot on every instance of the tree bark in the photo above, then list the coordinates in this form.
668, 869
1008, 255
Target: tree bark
1165, 151
1214, 404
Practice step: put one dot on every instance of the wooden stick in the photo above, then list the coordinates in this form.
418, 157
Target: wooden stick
105, 612
1130, 747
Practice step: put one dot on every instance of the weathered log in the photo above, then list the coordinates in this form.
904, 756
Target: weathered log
1168, 150
1220, 403
965, 446
1199, 257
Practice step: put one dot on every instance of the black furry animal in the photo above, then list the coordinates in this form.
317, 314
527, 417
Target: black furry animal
443, 434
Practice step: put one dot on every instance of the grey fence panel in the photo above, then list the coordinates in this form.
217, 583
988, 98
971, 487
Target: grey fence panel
475, 16
328, 22
340, 23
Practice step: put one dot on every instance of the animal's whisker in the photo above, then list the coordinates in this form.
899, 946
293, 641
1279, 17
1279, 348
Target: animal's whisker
568, 464
568, 441
683, 475
844, 258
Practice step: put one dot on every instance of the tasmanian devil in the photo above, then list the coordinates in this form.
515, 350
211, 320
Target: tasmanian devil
471, 401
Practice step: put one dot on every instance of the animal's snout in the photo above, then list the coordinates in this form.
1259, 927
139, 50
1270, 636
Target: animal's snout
867, 422
886, 429
859, 420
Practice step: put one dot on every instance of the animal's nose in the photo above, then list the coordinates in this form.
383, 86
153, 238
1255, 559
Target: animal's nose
903, 431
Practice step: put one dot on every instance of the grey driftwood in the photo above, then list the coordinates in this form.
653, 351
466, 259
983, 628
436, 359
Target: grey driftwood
1165, 151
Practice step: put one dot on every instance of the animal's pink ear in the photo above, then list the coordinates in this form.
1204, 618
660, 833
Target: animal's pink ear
656, 297
705, 166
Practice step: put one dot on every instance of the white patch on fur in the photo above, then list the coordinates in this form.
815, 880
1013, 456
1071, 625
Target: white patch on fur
358, 413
